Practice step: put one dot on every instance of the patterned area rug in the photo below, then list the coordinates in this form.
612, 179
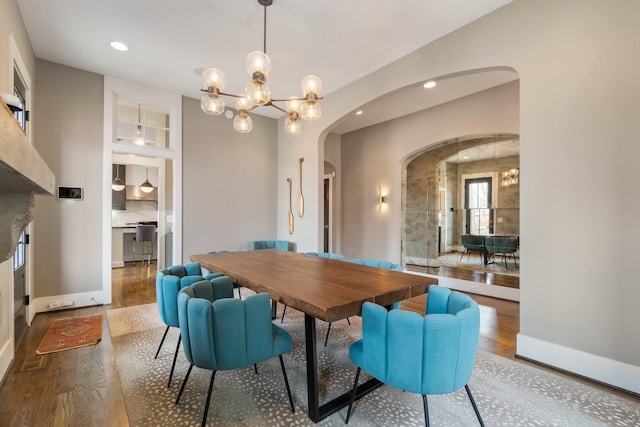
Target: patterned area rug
508, 393
72, 332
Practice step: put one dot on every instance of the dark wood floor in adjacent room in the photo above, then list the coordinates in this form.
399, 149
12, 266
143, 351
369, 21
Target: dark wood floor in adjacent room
81, 387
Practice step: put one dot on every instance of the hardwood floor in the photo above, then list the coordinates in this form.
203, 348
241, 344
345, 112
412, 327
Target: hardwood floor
81, 387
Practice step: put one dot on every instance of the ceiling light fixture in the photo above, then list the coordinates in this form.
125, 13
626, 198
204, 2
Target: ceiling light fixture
429, 84
119, 46
138, 134
146, 186
510, 177
257, 93
118, 183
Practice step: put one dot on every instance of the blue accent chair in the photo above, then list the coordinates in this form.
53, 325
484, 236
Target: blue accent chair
211, 340
506, 246
387, 265
474, 244
235, 285
380, 264
432, 354
169, 281
326, 255
283, 245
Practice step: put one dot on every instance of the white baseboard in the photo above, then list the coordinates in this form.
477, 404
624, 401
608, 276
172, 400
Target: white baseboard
598, 368
117, 264
84, 299
494, 291
6, 357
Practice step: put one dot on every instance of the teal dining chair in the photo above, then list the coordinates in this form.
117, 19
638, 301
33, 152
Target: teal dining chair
169, 281
431, 354
211, 339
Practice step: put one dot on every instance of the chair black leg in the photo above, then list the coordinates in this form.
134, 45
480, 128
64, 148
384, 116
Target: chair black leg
175, 357
327, 337
348, 321
284, 310
162, 342
255, 368
286, 382
206, 406
353, 395
184, 383
239, 294
473, 403
426, 410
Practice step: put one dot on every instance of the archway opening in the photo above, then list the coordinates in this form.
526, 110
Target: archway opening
462, 204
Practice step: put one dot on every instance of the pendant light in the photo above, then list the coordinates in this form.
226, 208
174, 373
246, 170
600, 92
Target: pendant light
258, 94
146, 186
138, 134
117, 184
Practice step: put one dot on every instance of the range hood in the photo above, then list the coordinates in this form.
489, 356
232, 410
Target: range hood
133, 192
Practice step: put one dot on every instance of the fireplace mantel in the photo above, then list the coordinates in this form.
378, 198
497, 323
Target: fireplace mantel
23, 173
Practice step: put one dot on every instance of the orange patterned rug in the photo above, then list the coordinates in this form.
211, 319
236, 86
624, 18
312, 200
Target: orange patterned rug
72, 332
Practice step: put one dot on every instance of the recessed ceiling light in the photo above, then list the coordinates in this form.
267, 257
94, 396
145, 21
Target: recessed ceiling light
359, 113
429, 84
119, 46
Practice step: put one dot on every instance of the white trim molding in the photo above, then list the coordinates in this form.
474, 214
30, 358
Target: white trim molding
601, 369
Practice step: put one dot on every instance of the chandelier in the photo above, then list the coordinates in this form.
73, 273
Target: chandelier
258, 94
509, 177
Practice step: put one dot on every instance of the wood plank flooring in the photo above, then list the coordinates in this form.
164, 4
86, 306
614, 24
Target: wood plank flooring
81, 387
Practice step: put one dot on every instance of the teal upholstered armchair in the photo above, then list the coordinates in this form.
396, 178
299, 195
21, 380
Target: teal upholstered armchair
283, 245
506, 246
235, 285
328, 255
388, 265
432, 354
211, 340
473, 244
169, 281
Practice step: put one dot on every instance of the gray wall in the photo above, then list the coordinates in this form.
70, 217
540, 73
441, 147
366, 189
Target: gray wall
67, 120
229, 181
578, 87
367, 161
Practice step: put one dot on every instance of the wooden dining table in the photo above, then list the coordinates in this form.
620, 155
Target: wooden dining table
321, 288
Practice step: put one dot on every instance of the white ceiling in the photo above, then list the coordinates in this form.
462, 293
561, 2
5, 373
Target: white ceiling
338, 40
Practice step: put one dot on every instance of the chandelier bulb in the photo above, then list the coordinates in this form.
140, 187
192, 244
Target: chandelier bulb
257, 93
212, 104
311, 85
311, 110
292, 125
293, 105
214, 78
242, 122
258, 62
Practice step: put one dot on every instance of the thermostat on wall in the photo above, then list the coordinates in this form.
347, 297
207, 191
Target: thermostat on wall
73, 193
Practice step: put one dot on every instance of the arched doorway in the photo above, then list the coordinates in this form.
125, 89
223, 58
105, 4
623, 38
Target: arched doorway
438, 209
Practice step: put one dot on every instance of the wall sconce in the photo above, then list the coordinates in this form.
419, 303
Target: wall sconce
510, 177
382, 199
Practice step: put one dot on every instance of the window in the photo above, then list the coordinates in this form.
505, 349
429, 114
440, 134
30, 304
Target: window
19, 255
478, 206
19, 90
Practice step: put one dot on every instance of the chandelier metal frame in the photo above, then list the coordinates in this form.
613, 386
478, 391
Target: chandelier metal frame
257, 93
